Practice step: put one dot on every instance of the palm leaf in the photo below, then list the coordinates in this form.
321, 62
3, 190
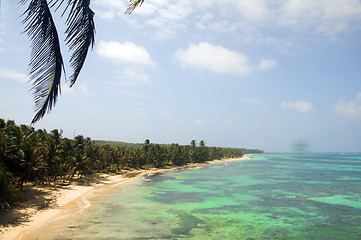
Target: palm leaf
46, 62
80, 34
132, 5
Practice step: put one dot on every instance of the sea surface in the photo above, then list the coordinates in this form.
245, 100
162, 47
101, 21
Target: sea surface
270, 196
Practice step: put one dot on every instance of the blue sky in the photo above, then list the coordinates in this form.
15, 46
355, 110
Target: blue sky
235, 73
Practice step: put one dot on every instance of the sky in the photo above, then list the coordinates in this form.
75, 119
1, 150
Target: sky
234, 73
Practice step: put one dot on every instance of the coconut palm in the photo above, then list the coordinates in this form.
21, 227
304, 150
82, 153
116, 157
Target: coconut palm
31, 157
46, 64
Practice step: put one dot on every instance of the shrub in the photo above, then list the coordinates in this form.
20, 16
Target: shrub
10, 196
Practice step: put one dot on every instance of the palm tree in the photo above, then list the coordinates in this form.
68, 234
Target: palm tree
31, 155
46, 64
9, 195
54, 163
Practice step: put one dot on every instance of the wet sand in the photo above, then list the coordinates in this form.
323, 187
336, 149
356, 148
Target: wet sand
49, 202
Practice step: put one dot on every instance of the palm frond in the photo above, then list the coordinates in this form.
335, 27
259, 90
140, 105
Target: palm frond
53, 3
133, 4
46, 62
80, 34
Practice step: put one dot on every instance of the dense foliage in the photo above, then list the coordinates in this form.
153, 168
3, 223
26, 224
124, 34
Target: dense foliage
38, 156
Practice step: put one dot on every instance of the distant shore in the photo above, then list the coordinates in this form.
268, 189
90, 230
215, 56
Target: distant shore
48, 202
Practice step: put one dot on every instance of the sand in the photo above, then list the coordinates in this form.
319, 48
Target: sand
45, 203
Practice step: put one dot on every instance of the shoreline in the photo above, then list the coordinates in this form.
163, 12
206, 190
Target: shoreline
46, 203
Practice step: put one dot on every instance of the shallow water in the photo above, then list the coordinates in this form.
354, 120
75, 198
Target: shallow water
271, 196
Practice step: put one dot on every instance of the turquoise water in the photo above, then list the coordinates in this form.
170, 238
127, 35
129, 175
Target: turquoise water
271, 196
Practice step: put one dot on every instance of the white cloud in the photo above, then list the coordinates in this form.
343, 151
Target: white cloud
109, 9
168, 18
255, 22
266, 64
13, 75
349, 110
126, 52
208, 16
254, 11
204, 20
300, 106
283, 46
198, 25
176, 11
214, 58
148, 8
66, 90
328, 17
131, 56
131, 77
165, 18
166, 30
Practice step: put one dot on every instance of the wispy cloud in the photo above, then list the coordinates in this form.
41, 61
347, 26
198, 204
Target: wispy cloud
249, 19
66, 90
130, 77
76, 89
252, 101
253, 11
266, 64
12, 74
299, 106
166, 17
136, 76
349, 110
109, 9
328, 17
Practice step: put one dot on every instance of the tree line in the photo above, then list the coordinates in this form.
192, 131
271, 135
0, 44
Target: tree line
41, 157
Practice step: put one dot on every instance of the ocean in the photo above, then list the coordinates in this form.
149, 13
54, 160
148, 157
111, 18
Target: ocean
270, 196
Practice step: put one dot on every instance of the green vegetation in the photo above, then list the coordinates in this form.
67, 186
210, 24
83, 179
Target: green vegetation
29, 155
140, 145
9, 194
